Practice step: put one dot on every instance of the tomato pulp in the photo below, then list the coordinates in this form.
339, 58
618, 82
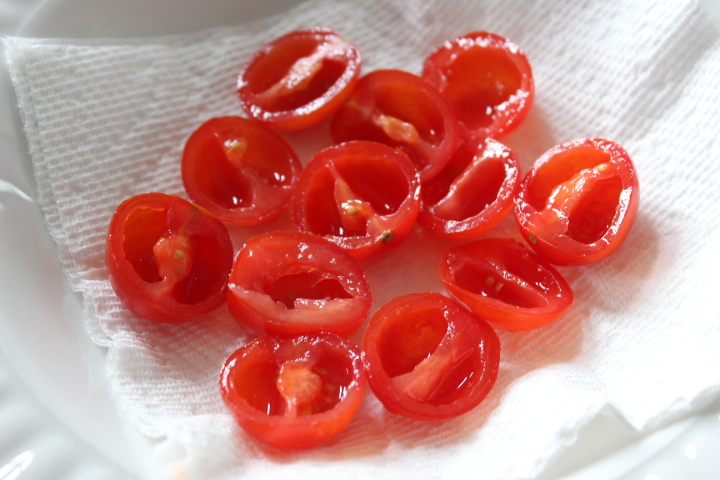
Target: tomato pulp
294, 392
473, 193
168, 259
404, 111
240, 170
292, 282
487, 79
300, 79
428, 358
578, 202
505, 283
363, 196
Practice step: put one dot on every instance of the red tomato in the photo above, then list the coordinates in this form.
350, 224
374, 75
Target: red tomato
505, 283
487, 79
240, 170
404, 111
363, 196
579, 201
168, 260
473, 193
292, 283
299, 79
294, 392
428, 358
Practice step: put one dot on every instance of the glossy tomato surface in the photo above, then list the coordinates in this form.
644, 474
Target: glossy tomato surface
579, 201
294, 392
404, 111
293, 282
168, 259
300, 79
240, 170
473, 193
363, 196
428, 358
487, 79
505, 283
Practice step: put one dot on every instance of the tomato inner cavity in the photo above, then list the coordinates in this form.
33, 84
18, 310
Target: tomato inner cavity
305, 285
486, 281
480, 81
157, 254
594, 213
345, 200
472, 190
295, 73
293, 387
408, 339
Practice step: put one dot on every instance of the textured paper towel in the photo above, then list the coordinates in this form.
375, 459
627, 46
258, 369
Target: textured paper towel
108, 119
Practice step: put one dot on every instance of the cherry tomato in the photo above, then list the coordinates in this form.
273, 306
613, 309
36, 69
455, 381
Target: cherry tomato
363, 196
294, 392
168, 259
578, 202
404, 111
488, 80
299, 79
506, 284
240, 170
473, 193
292, 283
428, 358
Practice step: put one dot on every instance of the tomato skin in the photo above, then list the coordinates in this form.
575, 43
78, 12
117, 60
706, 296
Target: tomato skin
487, 79
428, 358
299, 79
505, 283
293, 282
403, 111
239, 170
473, 193
168, 260
578, 202
363, 196
294, 392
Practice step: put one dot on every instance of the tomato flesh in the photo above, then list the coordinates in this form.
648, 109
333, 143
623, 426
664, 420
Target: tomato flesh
402, 110
363, 196
300, 79
240, 170
578, 202
506, 284
473, 193
293, 282
487, 79
428, 358
294, 392
168, 260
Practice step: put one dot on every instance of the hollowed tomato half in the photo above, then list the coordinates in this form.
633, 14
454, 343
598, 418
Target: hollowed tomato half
404, 111
578, 202
294, 392
168, 260
487, 79
300, 79
293, 282
473, 193
363, 196
428, 358
505, 283
240, 170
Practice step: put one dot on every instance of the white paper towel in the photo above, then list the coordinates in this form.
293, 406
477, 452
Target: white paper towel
108, 119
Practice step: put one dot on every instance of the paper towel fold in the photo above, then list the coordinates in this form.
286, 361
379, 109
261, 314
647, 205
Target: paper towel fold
108, 119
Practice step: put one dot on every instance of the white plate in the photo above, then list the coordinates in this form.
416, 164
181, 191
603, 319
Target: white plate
57, 419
